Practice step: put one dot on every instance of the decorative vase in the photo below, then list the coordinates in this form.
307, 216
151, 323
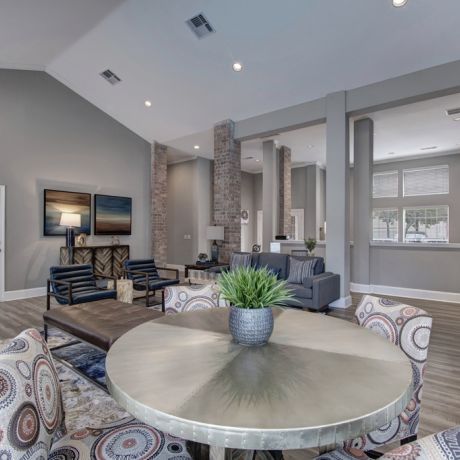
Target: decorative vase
251, 327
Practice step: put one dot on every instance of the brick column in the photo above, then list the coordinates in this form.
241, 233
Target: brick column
158, 201
285, 200
227, 187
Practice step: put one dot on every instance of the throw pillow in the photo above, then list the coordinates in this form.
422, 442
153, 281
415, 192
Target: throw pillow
240, 260
300, 270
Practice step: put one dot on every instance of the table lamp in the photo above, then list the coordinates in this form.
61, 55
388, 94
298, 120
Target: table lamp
214, 232
70, 221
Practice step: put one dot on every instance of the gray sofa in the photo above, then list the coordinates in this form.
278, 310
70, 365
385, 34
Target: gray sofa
315, 293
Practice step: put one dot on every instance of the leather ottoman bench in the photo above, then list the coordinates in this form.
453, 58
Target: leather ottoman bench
99, 323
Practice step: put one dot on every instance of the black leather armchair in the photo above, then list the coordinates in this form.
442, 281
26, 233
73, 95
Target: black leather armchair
145, 277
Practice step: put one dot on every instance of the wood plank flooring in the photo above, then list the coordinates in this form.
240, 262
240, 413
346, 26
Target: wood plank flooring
441, 395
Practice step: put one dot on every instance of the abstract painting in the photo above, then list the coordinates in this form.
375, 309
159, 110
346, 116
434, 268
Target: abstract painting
56, 202
112, 215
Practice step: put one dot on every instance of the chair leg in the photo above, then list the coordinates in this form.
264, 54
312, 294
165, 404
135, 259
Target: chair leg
46, 332
147, 298
408, 439
163, 300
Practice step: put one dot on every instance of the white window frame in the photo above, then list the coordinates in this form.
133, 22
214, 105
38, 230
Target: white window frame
398, 214
403, 235
385, 173
426, 168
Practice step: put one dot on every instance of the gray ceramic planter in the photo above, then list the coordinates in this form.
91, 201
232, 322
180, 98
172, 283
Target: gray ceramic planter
251, 326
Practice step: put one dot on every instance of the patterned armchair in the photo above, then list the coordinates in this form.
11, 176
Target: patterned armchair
440, 446
408, 328
31, 415
180, 299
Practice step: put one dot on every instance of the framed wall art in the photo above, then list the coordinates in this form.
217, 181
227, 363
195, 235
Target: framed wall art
112, 215
57, 202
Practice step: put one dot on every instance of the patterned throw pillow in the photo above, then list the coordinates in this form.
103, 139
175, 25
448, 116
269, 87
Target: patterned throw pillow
240, 260
30, 398
300, 270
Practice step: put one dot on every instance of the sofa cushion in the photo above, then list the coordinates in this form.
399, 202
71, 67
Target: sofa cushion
91, 295
274, 261
30, 398
300, 270
240, 259
299, 290
155, 284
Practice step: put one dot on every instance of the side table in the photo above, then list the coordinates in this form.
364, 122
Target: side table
124, 290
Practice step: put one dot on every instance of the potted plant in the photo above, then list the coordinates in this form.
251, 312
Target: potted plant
310, 244
251, 293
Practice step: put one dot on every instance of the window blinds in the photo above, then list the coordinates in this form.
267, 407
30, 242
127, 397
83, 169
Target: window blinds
385, 184
426, 181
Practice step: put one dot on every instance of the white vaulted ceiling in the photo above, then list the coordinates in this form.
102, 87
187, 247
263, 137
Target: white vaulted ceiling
292, 51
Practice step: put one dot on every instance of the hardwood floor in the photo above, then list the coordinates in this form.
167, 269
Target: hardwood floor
441, 395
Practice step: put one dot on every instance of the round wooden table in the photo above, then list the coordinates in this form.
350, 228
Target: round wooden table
319, 381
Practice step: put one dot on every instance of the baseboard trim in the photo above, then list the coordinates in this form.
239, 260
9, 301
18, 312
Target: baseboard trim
343, 302
23, 294
438, 296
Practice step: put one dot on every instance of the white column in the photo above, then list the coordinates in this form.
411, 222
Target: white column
338, 194
362, 199
270, 194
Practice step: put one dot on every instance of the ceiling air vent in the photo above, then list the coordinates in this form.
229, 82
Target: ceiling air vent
200, 26
453, 112
110, 77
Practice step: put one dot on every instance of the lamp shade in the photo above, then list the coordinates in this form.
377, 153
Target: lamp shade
214, 232
70, 220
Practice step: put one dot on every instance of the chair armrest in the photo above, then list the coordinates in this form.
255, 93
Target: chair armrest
326, 289
107, 277
174, 270
49, 292
308, 282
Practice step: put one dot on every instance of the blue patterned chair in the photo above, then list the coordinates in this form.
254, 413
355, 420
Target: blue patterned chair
440, 446
73, 284
408, 328
145, 277
180, 299
31, 416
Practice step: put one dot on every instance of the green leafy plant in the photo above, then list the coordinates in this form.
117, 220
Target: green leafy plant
310, 244
247, 287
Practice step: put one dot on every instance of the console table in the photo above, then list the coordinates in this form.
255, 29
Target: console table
107, 260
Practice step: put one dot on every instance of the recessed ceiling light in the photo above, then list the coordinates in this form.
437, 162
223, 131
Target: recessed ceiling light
148, 104
310, 146
431, 147
237, 66
457, 119
196, 147
258, 161
391, 153
399, 3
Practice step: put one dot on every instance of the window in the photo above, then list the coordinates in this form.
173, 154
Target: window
385, 225
426, 225
385, 184
426, 181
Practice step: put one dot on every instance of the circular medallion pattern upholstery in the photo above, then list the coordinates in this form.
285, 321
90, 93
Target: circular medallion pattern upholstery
30, 401
409, 328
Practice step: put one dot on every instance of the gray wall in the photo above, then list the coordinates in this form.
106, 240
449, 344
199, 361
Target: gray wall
248, 232
52, 138
189, 208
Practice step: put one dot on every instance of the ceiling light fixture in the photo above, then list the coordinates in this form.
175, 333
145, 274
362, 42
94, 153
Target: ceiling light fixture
431, 147
196, 147
237, 66
399, 3
148, 104
457, 119
310, 146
